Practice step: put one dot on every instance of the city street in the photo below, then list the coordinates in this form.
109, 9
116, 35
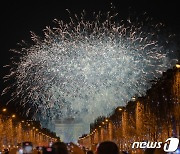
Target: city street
90, 77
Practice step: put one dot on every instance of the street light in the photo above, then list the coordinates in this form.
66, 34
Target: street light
120, 109
13, 116
134, 98
4, 110
177, 65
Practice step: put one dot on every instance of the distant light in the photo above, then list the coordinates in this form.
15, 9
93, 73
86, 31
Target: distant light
99, 126
28, 124
36, 129
134, 98
22, 121
33, 127
4, 110
103, 123
120, 109
106, 120
177, 65
13, 116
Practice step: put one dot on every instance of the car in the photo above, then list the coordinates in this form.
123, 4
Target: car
6, 151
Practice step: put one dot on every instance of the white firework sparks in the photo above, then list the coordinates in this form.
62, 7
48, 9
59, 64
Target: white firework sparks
87, 68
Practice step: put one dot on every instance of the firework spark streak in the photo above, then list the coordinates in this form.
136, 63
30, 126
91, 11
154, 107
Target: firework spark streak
86, 69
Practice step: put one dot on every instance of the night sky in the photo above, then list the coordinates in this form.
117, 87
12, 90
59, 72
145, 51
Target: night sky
19, 18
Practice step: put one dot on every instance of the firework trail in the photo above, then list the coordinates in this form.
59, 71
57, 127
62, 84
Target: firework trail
87, 68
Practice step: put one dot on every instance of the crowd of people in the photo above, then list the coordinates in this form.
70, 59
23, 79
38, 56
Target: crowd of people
106, 147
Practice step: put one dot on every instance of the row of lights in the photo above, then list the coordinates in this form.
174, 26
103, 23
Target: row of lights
103, 123
106, 120
14, 116
119, 109
4, 110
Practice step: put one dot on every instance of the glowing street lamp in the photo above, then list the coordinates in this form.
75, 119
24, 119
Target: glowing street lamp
120, 109
13, 116
4, 110
106, 120
134, 98
177, 65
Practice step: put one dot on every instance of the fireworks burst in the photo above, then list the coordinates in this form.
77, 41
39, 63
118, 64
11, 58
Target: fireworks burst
87, 68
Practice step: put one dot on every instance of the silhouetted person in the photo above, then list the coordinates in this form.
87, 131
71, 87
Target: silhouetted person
124, 152
149, 151
6, 151
107, 147
89, 152
60, 148
159, 151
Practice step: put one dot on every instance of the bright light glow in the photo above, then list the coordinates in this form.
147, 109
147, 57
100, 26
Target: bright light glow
177, 65
134, 98
106, 120
4, 110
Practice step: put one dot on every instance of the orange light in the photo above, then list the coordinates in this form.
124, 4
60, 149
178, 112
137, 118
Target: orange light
4, 110
177, 65
120, 109
13, 116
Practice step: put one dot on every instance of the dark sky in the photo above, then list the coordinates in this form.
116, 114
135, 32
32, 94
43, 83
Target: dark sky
19, 18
